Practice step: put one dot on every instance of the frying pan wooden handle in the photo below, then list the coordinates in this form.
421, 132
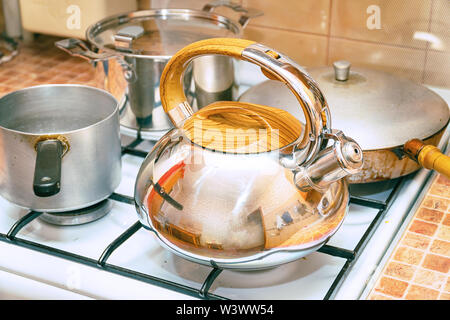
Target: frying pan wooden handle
172, 94
428, 156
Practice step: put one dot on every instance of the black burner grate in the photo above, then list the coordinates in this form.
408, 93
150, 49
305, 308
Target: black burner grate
349, 255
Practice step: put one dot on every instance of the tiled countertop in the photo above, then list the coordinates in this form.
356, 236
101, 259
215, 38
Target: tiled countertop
418, 267
41, 62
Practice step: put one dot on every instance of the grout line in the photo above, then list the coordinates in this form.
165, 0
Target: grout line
418, 265
440, 295
437, 209
412, 282
386, 295
424, 251
330, 16
415, 233
288, 30
440, 197
414, 274
379, 43
342, 38
427, 43
432, 222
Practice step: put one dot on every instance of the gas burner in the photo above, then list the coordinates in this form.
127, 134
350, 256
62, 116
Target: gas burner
80, 216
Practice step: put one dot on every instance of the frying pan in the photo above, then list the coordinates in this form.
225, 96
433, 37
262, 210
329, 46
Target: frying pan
398, 123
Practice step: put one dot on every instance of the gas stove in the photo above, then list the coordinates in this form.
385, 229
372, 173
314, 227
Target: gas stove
114, 257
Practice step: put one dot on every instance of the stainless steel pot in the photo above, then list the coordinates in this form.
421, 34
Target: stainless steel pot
59, 147
381, 110
135, 47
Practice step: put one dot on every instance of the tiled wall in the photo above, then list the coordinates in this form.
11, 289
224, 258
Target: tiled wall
318, 32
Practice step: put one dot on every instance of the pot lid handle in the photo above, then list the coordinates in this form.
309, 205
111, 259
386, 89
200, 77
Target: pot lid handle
341, 70
274, 64
124, 37
248, 13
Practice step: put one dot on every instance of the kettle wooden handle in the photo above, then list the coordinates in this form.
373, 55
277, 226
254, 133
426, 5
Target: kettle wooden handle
276, 65
428, 156
172, 94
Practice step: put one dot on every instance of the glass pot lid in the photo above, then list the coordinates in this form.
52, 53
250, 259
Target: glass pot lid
159, 32
379, 109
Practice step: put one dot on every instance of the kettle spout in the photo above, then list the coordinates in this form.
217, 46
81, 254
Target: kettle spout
333, 163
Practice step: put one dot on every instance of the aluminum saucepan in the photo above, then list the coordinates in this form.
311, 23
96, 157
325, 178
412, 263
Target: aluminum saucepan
381, 110
59, 147
134, 47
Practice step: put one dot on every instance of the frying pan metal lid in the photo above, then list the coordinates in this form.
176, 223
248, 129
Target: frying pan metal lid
379, 109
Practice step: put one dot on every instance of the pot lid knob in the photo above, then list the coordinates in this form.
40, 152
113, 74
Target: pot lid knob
341, 70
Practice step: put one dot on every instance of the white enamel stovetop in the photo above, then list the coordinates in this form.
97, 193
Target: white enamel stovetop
28, 274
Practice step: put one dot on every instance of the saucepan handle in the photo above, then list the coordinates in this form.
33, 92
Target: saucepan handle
428, 156
78, 48
248, 13
47, 171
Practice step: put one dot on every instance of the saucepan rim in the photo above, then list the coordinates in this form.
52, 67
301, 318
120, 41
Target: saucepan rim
85, 87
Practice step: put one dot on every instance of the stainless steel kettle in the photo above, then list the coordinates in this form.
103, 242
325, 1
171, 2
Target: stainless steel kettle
245, 186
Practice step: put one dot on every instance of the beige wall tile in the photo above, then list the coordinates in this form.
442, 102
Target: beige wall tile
399, 20
305, 49
305, 15
404, 62
440, 25
437, 69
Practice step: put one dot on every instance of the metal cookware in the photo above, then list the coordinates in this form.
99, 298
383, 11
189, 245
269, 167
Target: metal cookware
382, 110
59, 147
245, 186
134, 48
